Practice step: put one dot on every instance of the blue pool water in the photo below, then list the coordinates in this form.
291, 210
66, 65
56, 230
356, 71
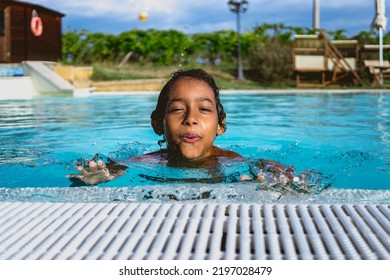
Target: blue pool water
346, 137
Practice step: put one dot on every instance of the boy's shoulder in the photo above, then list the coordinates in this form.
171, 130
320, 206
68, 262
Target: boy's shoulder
159, 156
225, 153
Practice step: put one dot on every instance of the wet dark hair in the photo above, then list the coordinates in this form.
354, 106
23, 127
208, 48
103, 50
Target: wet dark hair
158, 114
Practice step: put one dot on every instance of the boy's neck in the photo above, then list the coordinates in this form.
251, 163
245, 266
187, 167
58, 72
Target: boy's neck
176, 160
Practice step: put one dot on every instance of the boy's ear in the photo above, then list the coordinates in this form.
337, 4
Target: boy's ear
221, 129
157, 127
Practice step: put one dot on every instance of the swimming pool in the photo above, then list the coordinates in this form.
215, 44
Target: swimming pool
344, 136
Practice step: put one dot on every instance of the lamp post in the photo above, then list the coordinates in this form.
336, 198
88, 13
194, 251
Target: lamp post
316, 14
238, 7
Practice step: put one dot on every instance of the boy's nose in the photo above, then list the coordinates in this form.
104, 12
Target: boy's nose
190, 119
190, 122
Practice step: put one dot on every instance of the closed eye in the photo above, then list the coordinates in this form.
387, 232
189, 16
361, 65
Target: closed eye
175, 110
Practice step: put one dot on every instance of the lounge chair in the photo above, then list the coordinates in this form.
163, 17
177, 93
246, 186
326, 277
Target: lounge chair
309, 58
342, 58
318, 54
376, 71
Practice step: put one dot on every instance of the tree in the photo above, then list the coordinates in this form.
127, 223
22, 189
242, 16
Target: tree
74, 46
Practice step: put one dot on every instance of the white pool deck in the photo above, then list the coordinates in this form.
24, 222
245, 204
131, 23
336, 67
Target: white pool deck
193, 231
39, 79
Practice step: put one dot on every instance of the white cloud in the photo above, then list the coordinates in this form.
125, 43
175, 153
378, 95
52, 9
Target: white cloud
211, 15
115, 8
177, 7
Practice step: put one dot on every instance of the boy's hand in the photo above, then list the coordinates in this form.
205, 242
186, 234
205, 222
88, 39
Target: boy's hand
95, 173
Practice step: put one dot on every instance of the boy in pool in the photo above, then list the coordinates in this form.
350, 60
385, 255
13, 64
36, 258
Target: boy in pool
189, 115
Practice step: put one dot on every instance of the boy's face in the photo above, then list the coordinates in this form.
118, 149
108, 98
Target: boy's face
191, 120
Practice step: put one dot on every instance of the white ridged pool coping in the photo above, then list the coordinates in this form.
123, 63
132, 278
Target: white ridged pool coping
189, 231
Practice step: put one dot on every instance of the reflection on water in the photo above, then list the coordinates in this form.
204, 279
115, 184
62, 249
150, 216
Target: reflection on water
383, 126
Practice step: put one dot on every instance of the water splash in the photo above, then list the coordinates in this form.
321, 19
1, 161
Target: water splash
128, 150
219, 193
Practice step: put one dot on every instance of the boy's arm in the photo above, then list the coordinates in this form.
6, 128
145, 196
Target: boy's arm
283, 173
277, 176
271, 173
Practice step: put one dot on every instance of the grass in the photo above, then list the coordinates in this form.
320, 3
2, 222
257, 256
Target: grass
223, 74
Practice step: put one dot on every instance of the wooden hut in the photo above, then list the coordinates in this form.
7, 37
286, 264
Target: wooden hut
29, 32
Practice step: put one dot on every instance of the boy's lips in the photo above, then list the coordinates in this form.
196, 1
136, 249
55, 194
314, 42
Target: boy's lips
189, 138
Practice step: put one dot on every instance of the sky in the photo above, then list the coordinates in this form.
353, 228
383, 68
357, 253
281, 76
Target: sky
198, 16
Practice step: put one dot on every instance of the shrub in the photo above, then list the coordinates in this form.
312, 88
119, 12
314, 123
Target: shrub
271, 60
